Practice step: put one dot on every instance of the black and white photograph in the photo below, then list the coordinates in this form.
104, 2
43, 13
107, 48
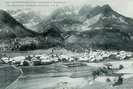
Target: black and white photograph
66, 44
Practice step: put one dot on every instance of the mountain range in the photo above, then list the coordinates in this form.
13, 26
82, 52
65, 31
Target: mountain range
78, 29
27, 17
10, 28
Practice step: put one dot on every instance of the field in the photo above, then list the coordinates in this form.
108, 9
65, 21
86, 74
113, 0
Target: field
55, 76
127, 71
127, 84
8, 74
58, 76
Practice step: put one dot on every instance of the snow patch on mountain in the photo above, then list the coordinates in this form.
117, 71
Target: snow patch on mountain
119, 19
93, 20
110, 17
86, 25
114, 17
122, 20
27, 17
72, 39
69, 12
85, 28
30, 24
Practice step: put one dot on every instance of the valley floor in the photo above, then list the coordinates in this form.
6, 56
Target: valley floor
57, 76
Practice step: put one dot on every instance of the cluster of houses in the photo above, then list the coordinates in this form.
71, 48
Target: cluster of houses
94, 56
31, 60
34, 60
104, 55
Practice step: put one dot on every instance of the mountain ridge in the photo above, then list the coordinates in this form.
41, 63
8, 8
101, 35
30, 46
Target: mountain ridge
99, 21
98, 27
12, 27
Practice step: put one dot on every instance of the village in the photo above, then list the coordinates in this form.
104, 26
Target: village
44, 59
104, 67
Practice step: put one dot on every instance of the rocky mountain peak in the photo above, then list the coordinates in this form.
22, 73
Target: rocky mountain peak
106, 7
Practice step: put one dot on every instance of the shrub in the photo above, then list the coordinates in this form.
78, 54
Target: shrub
101, 72
121, 67
108, 80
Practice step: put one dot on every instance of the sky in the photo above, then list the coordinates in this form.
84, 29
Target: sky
124, 7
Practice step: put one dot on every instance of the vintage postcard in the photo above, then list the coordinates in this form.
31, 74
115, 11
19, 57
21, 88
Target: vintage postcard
66, 44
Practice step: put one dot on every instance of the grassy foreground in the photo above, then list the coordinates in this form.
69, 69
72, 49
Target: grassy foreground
8, 74
127, 84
